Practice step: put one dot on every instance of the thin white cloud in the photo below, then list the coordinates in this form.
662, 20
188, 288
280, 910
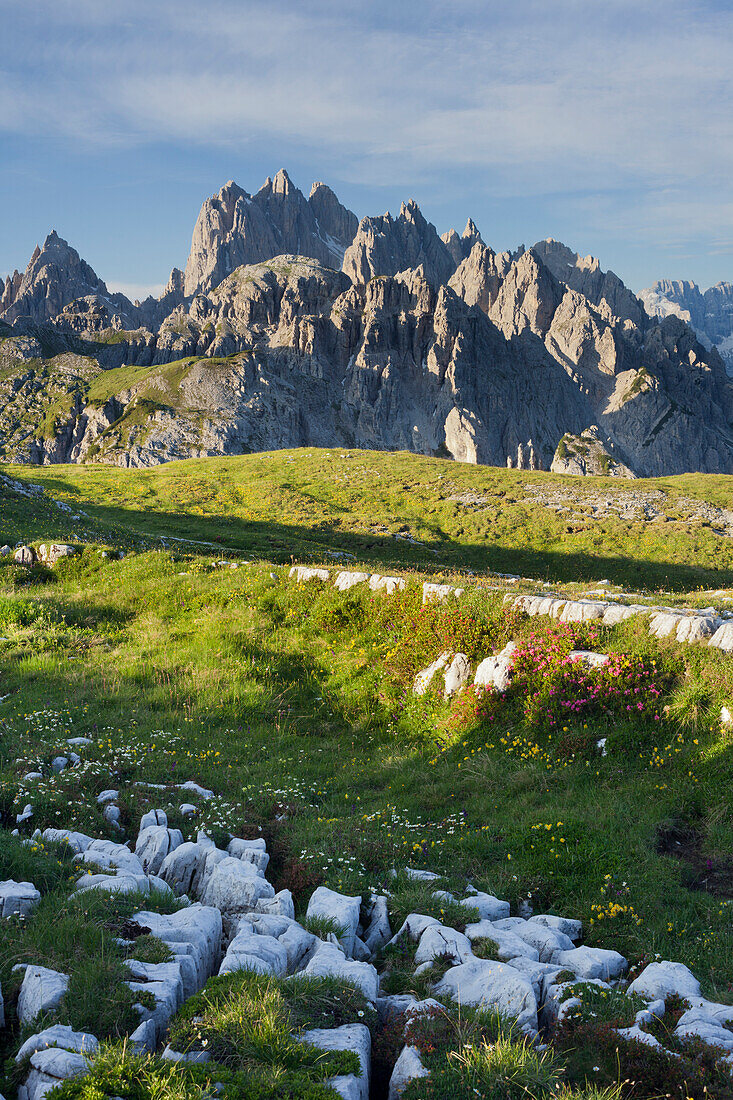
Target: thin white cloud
622, 104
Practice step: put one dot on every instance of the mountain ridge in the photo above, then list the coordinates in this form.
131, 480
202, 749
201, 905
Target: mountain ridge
396, 338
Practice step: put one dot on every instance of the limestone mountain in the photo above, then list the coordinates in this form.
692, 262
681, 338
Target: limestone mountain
710, 313
460, 247
235, 228
378, 334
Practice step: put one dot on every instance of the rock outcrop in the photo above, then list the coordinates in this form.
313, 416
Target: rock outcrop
583, 273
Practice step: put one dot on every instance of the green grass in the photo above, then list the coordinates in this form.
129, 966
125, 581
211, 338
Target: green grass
308, 502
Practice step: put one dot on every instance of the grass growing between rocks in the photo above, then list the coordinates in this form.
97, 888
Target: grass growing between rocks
293, 704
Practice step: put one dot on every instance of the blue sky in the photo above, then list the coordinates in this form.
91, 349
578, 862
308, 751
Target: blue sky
607, 125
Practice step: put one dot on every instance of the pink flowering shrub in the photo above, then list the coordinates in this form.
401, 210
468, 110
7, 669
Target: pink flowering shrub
557, 688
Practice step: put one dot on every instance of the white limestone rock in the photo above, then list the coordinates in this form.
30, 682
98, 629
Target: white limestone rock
660, 980
457, 676
508, 946
251, 851
151, 818
353, 1037
18, 898
378, 931
487, 906
407, 1067
496, 671
386, 584
41, 991
593, 962
494, 984
78, 842
182, 868
549, 942
154, 844
248, 950
235, 887
438, 941
346, 579
58, 1035
105, 853
573, 929
424, 678
304, 573
342, 909
330, 960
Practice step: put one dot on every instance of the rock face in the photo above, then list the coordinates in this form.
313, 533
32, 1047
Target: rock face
709, 313
587, 454
387, 245
583, 273
236, 228
536, 359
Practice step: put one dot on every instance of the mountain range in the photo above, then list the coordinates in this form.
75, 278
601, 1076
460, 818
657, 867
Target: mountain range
296, 324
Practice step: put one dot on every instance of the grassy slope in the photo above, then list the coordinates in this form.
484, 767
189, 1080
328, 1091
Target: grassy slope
307, 502
290, 701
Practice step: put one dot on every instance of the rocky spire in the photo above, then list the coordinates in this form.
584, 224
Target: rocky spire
386, 245
55, 276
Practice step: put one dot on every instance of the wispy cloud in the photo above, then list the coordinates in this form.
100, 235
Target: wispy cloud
625, 105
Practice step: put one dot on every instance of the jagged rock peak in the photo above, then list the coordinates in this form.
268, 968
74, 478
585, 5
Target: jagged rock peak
460, 247
55, 276
477, 278
528, 297
584, 274
235, 228
385, 245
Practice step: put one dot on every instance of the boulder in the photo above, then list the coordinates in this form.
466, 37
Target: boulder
303, 573
17, 898
24, 555
386, 584
440, 592
593, 962
493, 984
154, 844
105, 853
235, 887
329, 960
439, 942
346, 579
353, 1037
660, 980
52, 552
42, 990
198, 926
340, 908
487, 906
723, 638
424, 678
549, 943
457, 676
378, 930
508, 946
251, 851
153, 817
58, 1035
573, 929
182, 868
496, 671
407, 1067
78, 842
250, 951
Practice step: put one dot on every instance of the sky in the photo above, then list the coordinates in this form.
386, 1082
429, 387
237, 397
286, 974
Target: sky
606, 124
